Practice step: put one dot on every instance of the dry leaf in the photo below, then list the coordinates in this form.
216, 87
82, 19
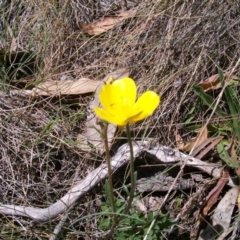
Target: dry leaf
211, 199
67, 87
234, 152
106, 23
218, 227
205, 147
179, 140
197, 141
14, 44
213, 82
213, 195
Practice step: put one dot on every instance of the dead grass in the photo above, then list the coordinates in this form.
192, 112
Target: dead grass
168, 46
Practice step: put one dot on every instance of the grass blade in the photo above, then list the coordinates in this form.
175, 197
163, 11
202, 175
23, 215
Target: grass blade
223, 154
208, 100
232, 100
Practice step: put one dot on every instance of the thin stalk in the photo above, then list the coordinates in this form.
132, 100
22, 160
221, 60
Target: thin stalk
108, 160
131, 194
132, 190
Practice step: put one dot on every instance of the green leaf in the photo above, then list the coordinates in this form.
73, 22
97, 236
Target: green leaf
192, 112
230, 93
50, 126
121, 236
219, 128
208, 100
223, 154
120, 205
221, 76
104, 223
125, 188
193, 128
232, 100
150, 216
125, 221
105, 207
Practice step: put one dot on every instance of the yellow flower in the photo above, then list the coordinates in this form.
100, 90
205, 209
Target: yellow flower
119, 105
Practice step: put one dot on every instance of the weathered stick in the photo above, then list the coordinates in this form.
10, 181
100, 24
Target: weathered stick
160, 153
100, 173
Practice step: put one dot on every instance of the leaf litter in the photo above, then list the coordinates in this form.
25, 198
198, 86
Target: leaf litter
54, 157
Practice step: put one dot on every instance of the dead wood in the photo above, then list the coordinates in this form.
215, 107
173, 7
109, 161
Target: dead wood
161, 153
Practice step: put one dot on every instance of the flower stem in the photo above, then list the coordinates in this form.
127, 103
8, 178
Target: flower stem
108, 160
133, 183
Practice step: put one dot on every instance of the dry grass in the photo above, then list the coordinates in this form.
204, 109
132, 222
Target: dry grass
168, 46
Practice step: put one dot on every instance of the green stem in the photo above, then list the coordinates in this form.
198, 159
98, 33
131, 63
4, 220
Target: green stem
131, 195
108, 160
132, 190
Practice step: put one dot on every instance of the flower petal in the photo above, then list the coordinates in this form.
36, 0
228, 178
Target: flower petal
118, 100
106, 116
109, 96
128, 90
145, 106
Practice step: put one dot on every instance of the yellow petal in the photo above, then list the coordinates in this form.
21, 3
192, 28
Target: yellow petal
145, 106
109, 96
106, 116
118, 102
128, 90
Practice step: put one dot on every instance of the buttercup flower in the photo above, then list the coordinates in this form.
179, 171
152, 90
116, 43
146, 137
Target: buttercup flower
119, 105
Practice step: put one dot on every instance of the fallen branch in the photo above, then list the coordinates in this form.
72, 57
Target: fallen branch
160, 153
100, 173
168, 155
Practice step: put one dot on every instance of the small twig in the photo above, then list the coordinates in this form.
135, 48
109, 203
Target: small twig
58, 228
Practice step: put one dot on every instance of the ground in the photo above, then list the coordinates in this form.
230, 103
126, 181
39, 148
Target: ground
168, 46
